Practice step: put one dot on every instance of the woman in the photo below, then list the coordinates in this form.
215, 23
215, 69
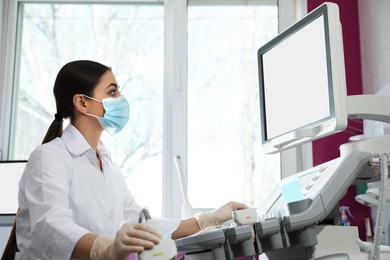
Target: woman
73, 200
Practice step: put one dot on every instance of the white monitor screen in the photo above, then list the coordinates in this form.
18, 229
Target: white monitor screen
291, 92
10, 174
302, 81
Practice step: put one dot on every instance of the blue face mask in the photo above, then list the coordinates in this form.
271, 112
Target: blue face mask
116, 114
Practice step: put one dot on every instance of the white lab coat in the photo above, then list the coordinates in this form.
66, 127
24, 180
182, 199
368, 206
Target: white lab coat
64, 195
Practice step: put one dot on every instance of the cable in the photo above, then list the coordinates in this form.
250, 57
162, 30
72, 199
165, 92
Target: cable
144, 214
375, 251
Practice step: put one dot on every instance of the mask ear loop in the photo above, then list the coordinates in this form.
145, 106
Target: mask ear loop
88, 114
92, 98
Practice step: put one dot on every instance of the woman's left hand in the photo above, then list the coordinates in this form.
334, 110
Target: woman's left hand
224, 213
218, 216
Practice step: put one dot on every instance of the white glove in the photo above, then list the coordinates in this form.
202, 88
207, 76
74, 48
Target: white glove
165, 250
218, 216
129, 239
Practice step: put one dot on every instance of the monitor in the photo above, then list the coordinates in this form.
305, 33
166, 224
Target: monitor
302, 81
10, 174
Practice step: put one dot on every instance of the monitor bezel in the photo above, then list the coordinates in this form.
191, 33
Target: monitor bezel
337, 120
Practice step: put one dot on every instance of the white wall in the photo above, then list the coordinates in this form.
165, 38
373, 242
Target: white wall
375, 44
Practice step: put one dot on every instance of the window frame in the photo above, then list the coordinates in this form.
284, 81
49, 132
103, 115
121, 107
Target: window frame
8, 36
175, 82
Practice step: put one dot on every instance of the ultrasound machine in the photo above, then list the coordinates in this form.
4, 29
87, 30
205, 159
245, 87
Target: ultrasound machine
298, 107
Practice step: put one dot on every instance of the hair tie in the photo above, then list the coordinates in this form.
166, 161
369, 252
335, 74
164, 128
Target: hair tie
58, 117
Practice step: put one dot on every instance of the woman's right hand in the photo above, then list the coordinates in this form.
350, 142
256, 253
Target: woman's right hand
130, 238
134, 238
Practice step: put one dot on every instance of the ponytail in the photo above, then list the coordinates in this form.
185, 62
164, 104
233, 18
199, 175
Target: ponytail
55, 129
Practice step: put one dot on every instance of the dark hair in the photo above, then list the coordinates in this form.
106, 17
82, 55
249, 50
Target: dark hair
76, 77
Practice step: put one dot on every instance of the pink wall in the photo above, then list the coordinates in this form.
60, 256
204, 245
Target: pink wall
327, 149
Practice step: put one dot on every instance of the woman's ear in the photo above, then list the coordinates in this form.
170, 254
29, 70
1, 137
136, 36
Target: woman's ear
79, 103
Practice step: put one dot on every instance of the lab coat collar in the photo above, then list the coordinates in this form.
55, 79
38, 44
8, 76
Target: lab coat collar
77, 145
74, 140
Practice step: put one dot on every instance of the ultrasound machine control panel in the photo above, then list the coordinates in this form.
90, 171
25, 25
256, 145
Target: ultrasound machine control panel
285, 227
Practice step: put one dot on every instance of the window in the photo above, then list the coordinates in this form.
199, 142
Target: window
221, 130
128, 38
224, 137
